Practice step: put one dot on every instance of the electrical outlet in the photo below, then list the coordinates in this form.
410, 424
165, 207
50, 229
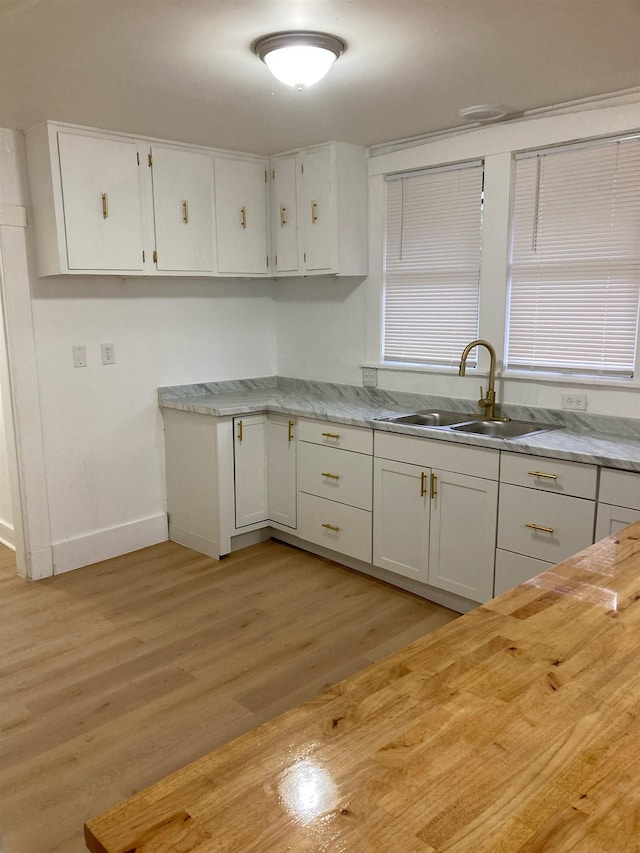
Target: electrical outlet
108, 354
369, 377
79, 356
574, 401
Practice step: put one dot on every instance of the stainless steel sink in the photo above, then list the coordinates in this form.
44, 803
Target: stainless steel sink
433, 418
502, 429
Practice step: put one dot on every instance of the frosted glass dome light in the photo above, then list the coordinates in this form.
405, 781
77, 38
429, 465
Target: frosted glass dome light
299, 59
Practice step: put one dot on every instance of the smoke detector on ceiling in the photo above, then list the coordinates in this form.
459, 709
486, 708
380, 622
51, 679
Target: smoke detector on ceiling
482, 112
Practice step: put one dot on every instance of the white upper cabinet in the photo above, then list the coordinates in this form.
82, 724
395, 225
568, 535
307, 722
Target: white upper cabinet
86, 202
241, 216
284, 214
329, 230
106, 203
183, 209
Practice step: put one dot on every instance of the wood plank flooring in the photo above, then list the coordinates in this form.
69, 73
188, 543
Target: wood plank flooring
115, 675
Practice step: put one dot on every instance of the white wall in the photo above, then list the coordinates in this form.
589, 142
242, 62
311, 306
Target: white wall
329, 329
6, 507
103, 437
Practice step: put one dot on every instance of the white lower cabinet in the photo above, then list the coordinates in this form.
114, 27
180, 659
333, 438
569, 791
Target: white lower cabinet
281, 473
250, 470
401, 518
547, 513
434, 525
513, 569
618, 501
463, 534
341, 528
335, 473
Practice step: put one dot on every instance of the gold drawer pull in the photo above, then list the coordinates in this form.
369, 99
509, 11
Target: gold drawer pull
283, 215
423, 484
290, 432
243, 211
185, 211
335, 435
314, 213
332, 527
542, 474
105, 205
239, 430
434, 484
540, 527
331, 476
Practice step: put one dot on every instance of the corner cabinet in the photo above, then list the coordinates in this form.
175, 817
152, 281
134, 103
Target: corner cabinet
319, 211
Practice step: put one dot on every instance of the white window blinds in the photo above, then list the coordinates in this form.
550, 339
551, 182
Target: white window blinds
575, 260
432, 264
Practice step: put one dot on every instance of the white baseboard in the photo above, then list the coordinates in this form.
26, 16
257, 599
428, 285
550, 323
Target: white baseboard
7, 537
112, 542
197, 543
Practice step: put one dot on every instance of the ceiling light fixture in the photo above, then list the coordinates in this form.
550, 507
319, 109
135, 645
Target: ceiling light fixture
299, 58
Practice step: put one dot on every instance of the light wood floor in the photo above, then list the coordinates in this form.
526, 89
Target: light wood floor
115, 675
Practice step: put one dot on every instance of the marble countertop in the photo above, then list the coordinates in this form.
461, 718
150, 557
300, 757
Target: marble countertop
597, 439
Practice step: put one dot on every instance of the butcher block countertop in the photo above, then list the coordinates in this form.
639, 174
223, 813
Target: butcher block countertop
514, 729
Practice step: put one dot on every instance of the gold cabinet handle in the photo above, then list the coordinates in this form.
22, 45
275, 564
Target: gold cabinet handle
283, 218
243, 211
290, 431
542, 474
335, 435
434, 486
314, 214
105, 205
332, 527
423, 484
539, 527
331, 476
185, 211
239, 430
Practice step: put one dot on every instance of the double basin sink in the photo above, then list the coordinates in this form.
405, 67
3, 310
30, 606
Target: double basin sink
459, 422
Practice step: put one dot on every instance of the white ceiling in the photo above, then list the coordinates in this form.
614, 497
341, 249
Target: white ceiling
183, 69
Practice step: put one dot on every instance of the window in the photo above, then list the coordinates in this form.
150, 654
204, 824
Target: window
575, 260
432, 263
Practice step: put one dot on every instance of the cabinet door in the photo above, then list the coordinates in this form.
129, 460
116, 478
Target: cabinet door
182, 207
285, 214
463, 534
317, 214
241, 216
282, 470
401, 518
249, 455
613, 518
102, 211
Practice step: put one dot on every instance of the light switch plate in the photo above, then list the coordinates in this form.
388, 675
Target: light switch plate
79, 355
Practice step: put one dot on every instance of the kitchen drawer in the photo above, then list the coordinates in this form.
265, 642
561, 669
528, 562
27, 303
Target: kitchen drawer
513, 569
341, 528
610, 519
620, 488
357, 439
570, 523
550, 475
446, 455
338, 475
